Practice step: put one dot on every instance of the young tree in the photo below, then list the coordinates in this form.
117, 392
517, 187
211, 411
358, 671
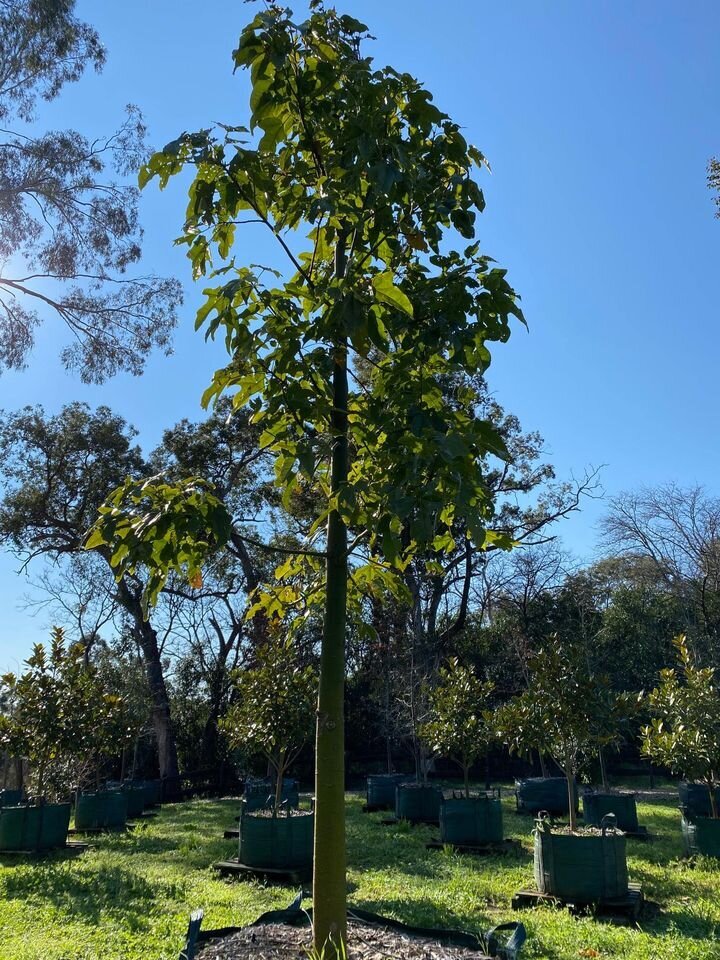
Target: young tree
562, 713
274, 708
69, 230
682, 733
343, 360
459, 705
60, 712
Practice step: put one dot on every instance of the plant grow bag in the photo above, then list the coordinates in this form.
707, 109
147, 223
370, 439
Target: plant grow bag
277, 843
259, 794
586, 869
622, 805
543, 793
34, 828
153, 791
10, 798
503, 941
104, 809
695, 799
471, 821
417, 803
381, 790
701, 835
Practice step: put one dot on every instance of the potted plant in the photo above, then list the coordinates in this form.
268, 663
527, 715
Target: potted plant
611, 711
272, 714
683, 735
558, 714
458, 729
40, 727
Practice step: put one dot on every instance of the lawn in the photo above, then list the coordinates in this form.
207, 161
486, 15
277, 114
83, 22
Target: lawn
129, 896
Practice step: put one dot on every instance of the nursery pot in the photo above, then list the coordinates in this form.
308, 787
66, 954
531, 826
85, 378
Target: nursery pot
282, 842
582, 868
10, 798
695, 799
105, 809
543, 793
153, 791
701, 835
417, 803
381, 790
261, 793
598, 805
34, 828
471, 821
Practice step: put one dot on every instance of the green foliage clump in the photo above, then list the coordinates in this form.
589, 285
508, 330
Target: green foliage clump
683, 731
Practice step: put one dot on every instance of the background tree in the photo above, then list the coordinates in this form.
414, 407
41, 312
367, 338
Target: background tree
676, 530
458, 727
682, 733
274, 708
71, 230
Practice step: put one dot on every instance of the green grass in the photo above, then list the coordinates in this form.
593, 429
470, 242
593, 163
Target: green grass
129, 897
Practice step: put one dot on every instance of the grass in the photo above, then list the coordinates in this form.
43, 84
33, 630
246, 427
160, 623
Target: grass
129, 897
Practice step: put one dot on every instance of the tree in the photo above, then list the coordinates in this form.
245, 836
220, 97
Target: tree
713, 181
273, 711
562, 713
682, 733
360, 162
458, 727
71, 230
59, 712
678, 531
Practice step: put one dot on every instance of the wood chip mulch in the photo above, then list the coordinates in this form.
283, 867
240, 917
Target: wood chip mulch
274, 941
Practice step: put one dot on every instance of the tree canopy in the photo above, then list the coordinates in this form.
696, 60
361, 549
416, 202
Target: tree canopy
69, 230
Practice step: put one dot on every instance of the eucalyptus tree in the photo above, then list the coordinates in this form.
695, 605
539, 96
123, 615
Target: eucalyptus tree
366, 187
69, 231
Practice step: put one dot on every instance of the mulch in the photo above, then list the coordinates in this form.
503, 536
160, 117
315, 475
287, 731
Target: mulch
274, 941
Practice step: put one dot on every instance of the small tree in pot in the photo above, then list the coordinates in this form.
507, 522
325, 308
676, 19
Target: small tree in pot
458, 727
273, 714
559, 713
683, 735
274, 709
54, 724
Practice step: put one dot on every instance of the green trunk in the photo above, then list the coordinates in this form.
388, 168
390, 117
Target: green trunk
329, 885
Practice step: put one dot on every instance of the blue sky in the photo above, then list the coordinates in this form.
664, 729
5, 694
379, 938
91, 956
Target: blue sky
598, 119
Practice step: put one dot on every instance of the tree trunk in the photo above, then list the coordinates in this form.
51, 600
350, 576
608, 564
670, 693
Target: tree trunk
329, 883
466, 779
146, 637
603, 769
569, 775
543, 768
713, 801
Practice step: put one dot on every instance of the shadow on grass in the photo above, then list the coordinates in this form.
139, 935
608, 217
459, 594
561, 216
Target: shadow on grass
423, 913
103, 892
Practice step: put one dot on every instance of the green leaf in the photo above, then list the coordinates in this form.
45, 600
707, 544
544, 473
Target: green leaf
387, 292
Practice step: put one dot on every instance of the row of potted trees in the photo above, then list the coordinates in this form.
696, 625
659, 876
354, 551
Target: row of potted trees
60, 716
569, 714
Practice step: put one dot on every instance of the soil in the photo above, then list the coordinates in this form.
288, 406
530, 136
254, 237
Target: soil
275, 941
583, 831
